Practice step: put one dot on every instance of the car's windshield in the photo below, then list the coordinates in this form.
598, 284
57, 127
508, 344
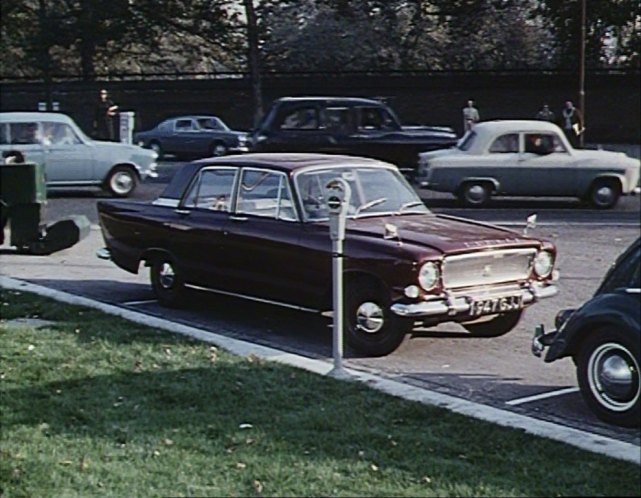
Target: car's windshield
374, 192
466, 142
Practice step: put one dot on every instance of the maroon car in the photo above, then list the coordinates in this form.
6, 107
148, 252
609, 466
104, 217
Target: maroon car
256, 226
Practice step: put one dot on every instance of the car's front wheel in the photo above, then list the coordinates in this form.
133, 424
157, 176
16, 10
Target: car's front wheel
494, 327
218, 149
608, 375
371, 327
167, 282
604, 194
474, 194
122, 181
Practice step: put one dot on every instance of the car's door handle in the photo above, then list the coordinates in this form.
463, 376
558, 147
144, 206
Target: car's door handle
182, 211
238, 218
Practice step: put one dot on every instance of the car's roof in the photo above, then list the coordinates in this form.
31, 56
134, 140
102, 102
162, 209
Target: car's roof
193, 116
34, 116
333, 99
284, 161
513, 125
290, 161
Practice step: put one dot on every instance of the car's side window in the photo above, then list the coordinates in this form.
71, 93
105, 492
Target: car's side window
212, 190
184, 125
303, 118
337, 119
25, 133
4, 134
374, 118
59, 134
266, 194
504, 144
208, 124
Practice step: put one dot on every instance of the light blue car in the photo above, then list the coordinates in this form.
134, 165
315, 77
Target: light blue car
71, 158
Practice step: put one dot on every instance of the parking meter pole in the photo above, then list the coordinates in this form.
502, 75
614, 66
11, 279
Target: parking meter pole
337, 193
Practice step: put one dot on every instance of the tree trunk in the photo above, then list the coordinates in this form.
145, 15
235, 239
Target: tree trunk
253, 59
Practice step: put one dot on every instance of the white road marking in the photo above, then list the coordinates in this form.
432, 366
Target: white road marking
595, 443
537, 397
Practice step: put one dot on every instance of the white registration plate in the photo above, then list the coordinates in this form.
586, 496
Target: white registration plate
496, 305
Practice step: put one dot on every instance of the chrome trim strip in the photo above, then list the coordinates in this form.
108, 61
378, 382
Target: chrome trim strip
166, 202
252, 298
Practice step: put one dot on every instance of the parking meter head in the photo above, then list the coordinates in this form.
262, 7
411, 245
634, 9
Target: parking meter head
337, 193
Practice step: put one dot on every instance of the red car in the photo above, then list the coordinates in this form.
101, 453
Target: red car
256, 226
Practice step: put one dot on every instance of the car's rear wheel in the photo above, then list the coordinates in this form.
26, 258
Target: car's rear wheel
604, 194
167, 282
494, 327
157, 148
474, 194
371, 327
608, 375
122, 181
218, 149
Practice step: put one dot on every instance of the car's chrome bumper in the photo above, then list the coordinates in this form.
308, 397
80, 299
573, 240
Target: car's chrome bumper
541, 340
103, 253
453, 306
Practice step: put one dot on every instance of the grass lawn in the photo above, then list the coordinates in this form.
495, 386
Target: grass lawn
93, 405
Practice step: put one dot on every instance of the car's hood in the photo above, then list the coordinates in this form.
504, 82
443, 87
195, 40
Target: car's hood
121, 148
439, 232
429, 131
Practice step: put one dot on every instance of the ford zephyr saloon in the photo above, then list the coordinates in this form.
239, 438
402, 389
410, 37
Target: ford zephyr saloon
256, 226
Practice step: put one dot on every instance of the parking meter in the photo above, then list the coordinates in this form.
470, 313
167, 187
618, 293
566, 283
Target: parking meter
337, 195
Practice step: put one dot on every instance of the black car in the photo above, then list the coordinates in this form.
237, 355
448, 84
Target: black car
193, 137
603, 337
346, 125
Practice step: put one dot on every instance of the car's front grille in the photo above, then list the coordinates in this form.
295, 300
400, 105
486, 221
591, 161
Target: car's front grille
487, 267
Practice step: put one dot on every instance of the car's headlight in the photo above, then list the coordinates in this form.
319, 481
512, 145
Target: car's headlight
543, 264
428, 275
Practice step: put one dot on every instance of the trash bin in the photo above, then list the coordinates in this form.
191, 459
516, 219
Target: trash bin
23, 193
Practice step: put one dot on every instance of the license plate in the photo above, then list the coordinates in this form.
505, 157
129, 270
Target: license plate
496, 305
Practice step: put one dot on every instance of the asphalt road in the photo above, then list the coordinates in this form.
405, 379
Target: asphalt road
499, 372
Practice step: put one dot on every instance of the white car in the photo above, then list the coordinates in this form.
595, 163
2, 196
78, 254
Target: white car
526, 158
71, 158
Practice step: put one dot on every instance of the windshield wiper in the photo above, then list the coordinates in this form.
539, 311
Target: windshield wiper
408, 205
368, 205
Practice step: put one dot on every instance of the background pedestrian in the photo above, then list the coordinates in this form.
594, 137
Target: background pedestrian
470, 116
572, 122
545, 114
105, 111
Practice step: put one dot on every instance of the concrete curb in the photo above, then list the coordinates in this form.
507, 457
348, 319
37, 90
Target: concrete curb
584, 440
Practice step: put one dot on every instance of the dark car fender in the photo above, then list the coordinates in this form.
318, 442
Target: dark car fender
620, 309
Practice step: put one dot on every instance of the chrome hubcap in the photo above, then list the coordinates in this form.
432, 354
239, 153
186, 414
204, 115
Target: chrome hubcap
604, 195
122, 182
167, 276
369, 317
613, 375
219, 150
476, 194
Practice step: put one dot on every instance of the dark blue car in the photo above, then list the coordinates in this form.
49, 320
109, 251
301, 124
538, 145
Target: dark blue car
603, 337
193, 137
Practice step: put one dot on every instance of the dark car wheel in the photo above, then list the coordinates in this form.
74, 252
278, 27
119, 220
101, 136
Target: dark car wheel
604, 194
494, 327
122, 181
157, 148
166, 282
474, 194
608, 374
218, 149
371, 328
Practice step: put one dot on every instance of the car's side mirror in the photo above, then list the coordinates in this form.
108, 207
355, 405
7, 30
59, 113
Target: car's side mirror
530, 223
